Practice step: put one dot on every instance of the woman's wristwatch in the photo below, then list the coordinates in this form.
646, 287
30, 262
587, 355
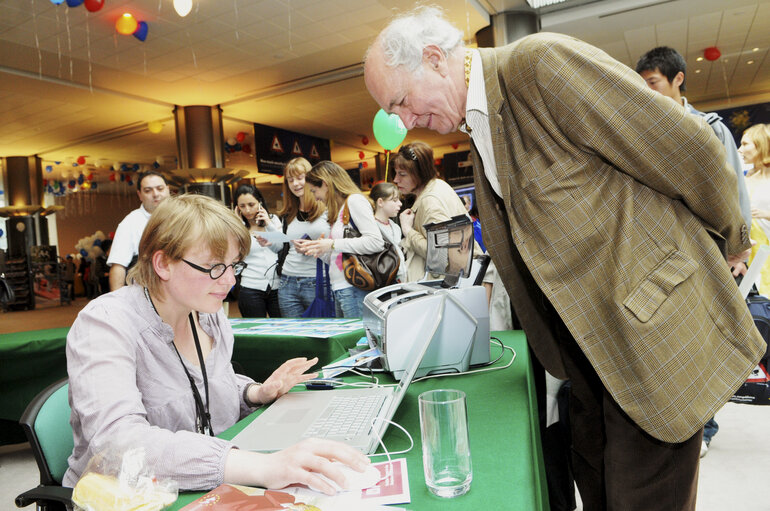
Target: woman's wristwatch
246, 394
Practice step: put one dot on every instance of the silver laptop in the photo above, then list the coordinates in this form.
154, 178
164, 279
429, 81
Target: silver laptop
357, 417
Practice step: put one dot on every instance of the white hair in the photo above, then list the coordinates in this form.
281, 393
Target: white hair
403, 40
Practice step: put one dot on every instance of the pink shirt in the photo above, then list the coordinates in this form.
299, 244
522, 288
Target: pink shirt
127, 387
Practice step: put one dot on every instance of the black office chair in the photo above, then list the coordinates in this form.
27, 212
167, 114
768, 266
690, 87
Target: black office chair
46, 422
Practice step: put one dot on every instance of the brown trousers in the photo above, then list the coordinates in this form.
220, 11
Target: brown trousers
616, 465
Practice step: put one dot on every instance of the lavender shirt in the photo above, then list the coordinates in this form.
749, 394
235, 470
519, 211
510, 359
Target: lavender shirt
127, 386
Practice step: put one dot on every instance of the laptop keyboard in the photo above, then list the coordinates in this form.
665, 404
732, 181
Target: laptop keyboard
346, 416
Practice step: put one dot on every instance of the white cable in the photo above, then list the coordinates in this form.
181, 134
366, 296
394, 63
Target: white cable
503, 346
384, 448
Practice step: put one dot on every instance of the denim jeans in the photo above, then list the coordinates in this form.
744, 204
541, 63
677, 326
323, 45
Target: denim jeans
349, 302
255, 303
295, 295
709, 430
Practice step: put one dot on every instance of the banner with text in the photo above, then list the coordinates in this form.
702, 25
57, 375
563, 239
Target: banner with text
273, 147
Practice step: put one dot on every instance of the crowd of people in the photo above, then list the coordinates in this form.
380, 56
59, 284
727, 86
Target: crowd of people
612, 237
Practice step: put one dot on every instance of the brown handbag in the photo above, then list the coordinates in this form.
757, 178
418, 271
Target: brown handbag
368, 271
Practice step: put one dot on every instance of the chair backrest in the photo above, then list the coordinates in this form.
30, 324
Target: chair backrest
46, 422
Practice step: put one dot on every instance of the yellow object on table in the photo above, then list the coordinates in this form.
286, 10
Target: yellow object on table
97, 492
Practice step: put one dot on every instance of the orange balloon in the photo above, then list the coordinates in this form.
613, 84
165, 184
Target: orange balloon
126, 24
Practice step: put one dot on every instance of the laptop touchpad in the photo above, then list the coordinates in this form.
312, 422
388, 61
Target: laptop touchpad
294, 415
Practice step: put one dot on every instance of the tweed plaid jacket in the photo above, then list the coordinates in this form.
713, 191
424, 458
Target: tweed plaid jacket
615, 205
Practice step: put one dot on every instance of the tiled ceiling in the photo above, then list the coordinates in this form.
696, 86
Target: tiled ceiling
71, 86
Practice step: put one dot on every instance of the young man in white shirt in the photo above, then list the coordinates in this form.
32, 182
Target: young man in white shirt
152, 188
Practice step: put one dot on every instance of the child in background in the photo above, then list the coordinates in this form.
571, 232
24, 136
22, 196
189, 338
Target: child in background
386, 206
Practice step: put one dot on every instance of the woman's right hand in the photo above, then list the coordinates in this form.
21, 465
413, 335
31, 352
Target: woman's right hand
301, 463
262, 241
406, 219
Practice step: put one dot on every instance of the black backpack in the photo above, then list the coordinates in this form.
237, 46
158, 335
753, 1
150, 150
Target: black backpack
756, 389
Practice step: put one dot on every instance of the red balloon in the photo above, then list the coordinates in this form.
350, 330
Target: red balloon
112, 234
90, 177
81, 160
240, 137
93, 5
361, 155
365, 164
112, 177
455, 145
45, 182
246, 148
712, 53
365, 140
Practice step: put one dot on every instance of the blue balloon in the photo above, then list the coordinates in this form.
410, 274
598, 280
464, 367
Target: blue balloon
97, 242
94, 185
155, 164
57, 162
49, 168
75, 164
74, 3
124, 167
81, 179
141, 31
57, 2
83, 252
136, 167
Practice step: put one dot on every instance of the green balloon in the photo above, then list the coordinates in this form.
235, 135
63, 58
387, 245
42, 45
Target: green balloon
388, 130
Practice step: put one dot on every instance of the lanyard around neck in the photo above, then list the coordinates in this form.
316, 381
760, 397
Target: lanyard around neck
203, 416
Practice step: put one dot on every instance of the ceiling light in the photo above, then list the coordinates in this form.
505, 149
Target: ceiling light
755, 49
750, 62
183, 7
699, 59
697, 71
536, 4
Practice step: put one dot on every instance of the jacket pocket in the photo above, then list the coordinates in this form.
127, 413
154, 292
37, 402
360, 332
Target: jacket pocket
657, 285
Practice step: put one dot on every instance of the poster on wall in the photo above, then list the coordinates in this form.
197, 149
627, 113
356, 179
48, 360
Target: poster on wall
740, 118
273, 147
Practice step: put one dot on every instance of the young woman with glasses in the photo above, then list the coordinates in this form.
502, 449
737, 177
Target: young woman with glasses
149, 364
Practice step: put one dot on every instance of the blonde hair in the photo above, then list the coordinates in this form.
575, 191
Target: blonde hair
181, 222
296, 167
339, 183
759, 134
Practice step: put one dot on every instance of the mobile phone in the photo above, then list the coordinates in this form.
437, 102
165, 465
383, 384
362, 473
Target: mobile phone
305, 236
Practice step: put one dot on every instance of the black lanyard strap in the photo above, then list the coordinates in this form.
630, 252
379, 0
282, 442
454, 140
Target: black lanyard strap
203, 416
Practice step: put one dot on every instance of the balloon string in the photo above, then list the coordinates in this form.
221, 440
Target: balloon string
387, 164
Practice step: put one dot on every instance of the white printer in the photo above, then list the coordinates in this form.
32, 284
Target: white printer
456, 318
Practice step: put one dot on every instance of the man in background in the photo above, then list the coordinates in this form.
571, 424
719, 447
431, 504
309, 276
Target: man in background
152, 188
664, 70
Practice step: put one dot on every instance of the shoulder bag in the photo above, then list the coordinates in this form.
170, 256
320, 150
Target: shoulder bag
368, 271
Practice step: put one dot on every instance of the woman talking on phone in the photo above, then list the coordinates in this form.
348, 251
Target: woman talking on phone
258, 294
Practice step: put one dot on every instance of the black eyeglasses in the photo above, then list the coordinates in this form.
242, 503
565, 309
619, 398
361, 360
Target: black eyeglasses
218, 270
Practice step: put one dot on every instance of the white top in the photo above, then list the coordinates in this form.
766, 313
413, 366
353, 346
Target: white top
759, 192
392, 233
127, 386
261, 262
362, 215
296, 264
125, 244
477, 118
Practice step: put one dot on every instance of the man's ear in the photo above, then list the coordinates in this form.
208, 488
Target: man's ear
160, 264
433, 56
678, 80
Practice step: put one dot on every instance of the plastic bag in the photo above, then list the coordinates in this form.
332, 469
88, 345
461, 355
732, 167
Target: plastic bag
119, 480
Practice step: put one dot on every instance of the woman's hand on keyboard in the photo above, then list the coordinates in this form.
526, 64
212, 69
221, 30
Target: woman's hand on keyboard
291, 373
306, 462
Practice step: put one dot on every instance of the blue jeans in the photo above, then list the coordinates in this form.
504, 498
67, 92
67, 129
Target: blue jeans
709, 430
349, 302
295, 295
254, 303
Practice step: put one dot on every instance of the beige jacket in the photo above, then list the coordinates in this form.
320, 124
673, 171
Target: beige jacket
620, 207
437, 202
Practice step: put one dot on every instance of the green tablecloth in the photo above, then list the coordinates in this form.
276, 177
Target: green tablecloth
508, 470
250, 349
29, 362
32, 360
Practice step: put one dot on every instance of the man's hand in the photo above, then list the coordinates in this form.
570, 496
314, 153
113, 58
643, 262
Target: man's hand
737, 264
